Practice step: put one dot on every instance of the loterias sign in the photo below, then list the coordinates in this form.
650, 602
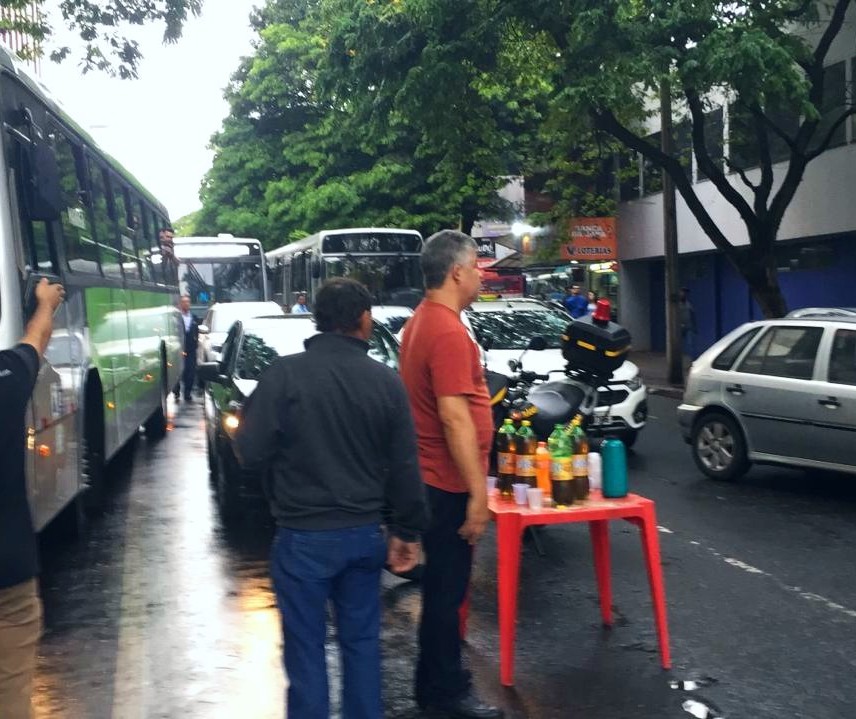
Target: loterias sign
592, 239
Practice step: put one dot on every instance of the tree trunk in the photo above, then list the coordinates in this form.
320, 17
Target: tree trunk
760, 272
469, 215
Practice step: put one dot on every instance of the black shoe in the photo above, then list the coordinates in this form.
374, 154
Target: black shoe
468, 706
177, 396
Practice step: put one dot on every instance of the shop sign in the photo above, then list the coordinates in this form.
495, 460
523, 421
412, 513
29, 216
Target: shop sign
592, 239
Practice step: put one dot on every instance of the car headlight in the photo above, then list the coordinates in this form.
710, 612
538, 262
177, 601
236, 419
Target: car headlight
634, 383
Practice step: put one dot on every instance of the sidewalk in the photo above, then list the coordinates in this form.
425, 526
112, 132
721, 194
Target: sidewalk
655, 373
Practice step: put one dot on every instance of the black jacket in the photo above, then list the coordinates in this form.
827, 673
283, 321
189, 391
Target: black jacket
331, 428
191, 336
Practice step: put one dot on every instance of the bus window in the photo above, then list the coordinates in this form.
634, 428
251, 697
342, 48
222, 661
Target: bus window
143, 239
105, 235
124, 234
81, 253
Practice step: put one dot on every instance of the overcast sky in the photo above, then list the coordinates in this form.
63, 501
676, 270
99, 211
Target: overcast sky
159, 125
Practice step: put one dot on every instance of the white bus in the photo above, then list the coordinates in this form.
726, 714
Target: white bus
220, 269
69, 211
385, 260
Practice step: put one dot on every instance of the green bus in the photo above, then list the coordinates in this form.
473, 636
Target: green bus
69, 211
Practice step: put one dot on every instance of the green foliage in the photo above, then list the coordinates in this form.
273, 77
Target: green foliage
102, 28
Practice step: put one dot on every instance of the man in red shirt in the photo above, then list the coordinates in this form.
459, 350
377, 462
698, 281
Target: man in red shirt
441, 370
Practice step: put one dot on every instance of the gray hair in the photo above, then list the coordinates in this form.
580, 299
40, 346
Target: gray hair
442, 251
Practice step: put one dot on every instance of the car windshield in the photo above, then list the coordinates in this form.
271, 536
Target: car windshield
394, 323
225, 281
512, 329
262, 344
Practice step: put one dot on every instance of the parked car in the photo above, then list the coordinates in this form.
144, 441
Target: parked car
776, 391
249, 348
823, 312
393, 317
503, 329
220, 317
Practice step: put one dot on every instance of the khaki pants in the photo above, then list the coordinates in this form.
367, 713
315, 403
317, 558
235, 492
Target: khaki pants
20, 629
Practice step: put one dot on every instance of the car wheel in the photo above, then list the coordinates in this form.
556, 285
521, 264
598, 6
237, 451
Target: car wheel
718, 446
227, 494
629, 437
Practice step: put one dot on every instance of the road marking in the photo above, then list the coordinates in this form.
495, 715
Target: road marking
750, 569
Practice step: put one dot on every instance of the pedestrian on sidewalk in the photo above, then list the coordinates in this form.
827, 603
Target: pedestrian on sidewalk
20, 606
331, 431
686, 315
441, 368
575, 303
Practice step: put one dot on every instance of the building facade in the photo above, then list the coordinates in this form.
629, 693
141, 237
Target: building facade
816, 246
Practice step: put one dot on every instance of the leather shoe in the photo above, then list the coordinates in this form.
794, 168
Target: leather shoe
467, 706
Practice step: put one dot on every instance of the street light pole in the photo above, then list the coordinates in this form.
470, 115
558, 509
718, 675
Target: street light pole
674, 351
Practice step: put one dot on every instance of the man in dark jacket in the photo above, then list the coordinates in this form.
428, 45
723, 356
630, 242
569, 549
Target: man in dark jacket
190, 337
332, 430
20, 608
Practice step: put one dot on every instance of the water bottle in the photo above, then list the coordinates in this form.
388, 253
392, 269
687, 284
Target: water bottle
614, 459
595, 471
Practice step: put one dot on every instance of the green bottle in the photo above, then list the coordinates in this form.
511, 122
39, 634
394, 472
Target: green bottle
561, 474
506, 449
527, 445
579, 458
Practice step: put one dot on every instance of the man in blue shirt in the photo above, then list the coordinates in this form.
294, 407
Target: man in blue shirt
575, 303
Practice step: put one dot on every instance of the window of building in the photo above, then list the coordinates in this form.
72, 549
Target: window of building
81, 252
652, 175
683, 138
784, 352
628, 175
714, 138
833, 105
842, 358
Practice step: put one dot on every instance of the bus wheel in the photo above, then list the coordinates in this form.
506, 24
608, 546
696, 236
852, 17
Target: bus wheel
155, 425
93, 475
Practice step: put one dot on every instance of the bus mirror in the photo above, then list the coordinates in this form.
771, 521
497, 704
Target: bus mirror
315, 268
43, 193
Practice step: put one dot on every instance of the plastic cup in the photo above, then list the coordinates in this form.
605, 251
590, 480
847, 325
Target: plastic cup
491, 485
520, 493
535, 495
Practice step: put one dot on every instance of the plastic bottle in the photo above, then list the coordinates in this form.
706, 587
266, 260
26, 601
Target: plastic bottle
506, 445
561, 476
595, 471
542, 468
526, 446
579, 458
614, 468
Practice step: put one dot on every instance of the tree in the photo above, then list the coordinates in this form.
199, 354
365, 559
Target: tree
755, 53
99, 25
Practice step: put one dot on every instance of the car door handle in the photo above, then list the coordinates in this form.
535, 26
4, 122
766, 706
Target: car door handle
734, 389
829, 403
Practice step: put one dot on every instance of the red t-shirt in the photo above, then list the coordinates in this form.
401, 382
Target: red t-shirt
440, 359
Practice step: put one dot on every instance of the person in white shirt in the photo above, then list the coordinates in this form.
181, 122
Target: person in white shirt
299, 307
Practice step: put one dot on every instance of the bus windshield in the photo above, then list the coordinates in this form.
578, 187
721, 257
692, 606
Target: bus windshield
221, 281
392, 279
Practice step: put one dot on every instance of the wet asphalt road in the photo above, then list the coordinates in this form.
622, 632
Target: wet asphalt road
159, 612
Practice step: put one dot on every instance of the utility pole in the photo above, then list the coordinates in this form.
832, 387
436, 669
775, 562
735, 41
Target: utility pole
674, 350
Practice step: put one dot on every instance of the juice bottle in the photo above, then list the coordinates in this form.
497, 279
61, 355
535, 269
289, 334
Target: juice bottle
542, 468
579, 458
527, 444
561, 475
506, 446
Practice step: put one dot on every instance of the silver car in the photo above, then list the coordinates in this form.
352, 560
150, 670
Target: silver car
775, 391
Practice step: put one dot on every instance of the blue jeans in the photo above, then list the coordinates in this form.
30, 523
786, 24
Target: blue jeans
342, 565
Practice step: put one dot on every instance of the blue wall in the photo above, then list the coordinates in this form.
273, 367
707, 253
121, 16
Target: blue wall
722, 300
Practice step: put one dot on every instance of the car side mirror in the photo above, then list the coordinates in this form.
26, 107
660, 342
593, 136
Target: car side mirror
204, 329
210, 372
537, 343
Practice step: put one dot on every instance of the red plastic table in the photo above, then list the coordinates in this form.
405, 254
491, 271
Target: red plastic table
512, 519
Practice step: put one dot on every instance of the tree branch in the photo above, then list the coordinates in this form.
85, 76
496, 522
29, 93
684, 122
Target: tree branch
835, 125
717, 176
778, 131
606, 121
741, 173
835, 24
766, 162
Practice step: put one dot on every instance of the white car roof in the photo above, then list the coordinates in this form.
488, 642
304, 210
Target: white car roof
517, 303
